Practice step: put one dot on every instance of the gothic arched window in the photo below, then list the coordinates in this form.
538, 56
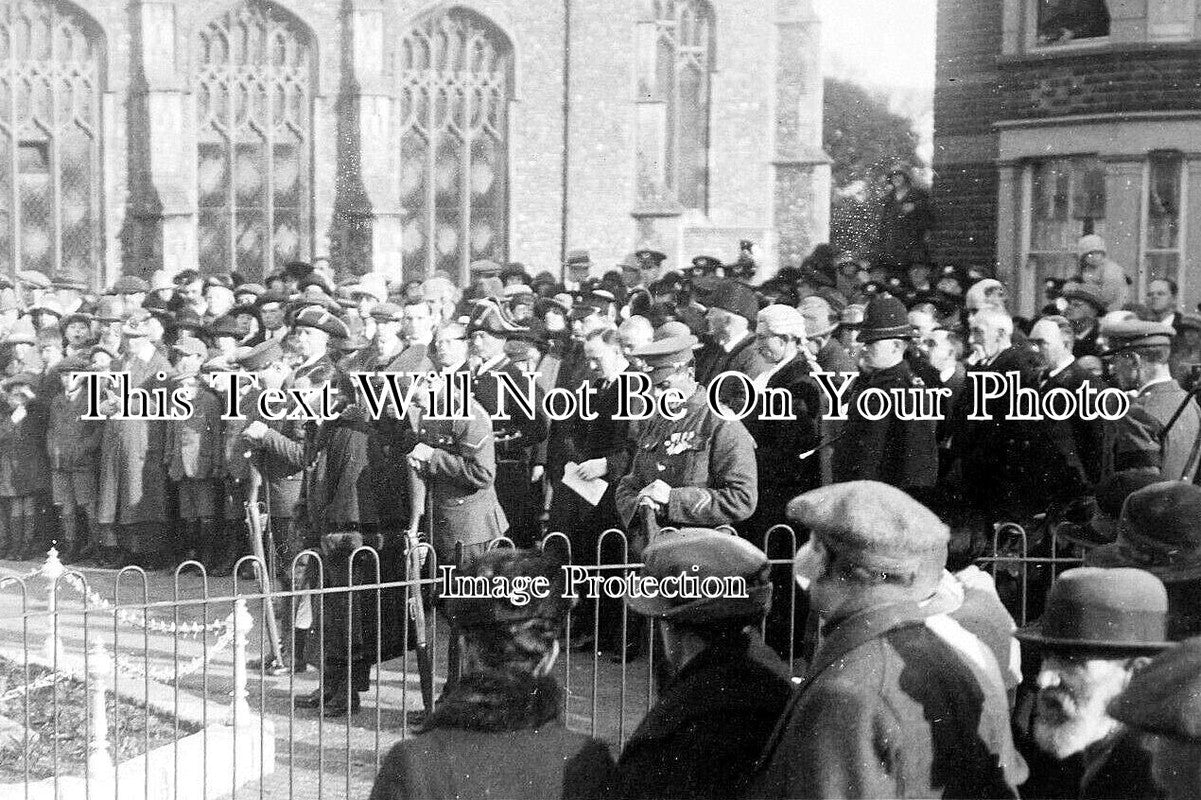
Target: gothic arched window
254, 101
683, 61
49, 141
455, 81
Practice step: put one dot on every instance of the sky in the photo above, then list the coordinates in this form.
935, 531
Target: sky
880, 42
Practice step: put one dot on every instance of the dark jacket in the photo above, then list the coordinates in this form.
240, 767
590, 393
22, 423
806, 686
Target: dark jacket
1011, 467
501, 739
891, 450
712, 360
1086, 438
702, 737
889, 708
780, 444
23, 465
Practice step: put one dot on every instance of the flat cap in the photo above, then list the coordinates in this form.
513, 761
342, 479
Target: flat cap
1126, 334
130, 284
703, 553
782, 320
1164, 698
271, 297
878, 526
254, 289
387, 312
190, 346
322, 320
1087, 293
226, 325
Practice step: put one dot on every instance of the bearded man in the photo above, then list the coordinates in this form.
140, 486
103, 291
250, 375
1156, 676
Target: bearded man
1101, 626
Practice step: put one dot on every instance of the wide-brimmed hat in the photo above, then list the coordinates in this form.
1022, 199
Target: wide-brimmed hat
1160, 532
885, 318
1164, 698
1102, 610
702, 553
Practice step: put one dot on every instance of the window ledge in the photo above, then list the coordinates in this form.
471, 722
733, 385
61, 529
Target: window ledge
1090, 47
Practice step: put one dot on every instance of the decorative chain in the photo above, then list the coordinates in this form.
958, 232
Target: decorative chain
139, 619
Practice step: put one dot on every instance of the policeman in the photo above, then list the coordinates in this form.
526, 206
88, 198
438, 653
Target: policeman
1138, 352
698, 470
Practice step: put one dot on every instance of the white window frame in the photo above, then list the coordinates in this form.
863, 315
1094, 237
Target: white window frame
1026, 219
1144, 272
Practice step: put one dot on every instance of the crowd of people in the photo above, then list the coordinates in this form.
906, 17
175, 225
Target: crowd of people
914, 670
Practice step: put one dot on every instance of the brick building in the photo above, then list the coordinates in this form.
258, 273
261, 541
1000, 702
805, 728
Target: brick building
403, 135
1056, 118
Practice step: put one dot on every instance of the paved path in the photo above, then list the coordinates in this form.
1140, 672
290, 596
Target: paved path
316, 757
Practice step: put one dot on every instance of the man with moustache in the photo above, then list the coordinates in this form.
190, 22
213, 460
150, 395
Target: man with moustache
1100, 627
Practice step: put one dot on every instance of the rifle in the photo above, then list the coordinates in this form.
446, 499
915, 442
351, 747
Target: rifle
254, 525
418, 496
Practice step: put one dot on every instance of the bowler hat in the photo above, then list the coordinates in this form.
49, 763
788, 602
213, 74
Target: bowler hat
1102, 610
736, 298
1160, 532
885, 318
1164, 698
702, 553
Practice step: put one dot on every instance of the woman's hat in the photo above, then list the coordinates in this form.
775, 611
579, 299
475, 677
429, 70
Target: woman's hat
474, 614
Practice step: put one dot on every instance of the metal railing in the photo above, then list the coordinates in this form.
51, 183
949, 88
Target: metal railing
131, 684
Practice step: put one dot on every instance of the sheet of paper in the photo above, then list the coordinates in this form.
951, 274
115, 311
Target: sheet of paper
592, 490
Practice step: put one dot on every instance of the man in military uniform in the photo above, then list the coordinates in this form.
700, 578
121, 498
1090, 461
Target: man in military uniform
890, 450
1138, 351
518, 437
698, 470
457, 460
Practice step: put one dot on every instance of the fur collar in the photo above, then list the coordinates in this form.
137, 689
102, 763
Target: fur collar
494, 702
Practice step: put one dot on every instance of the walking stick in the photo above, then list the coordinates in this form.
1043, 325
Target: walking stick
264, 570
418, 498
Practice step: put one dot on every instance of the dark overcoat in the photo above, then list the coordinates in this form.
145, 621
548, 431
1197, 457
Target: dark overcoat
701, 739
889, 708
891, 450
